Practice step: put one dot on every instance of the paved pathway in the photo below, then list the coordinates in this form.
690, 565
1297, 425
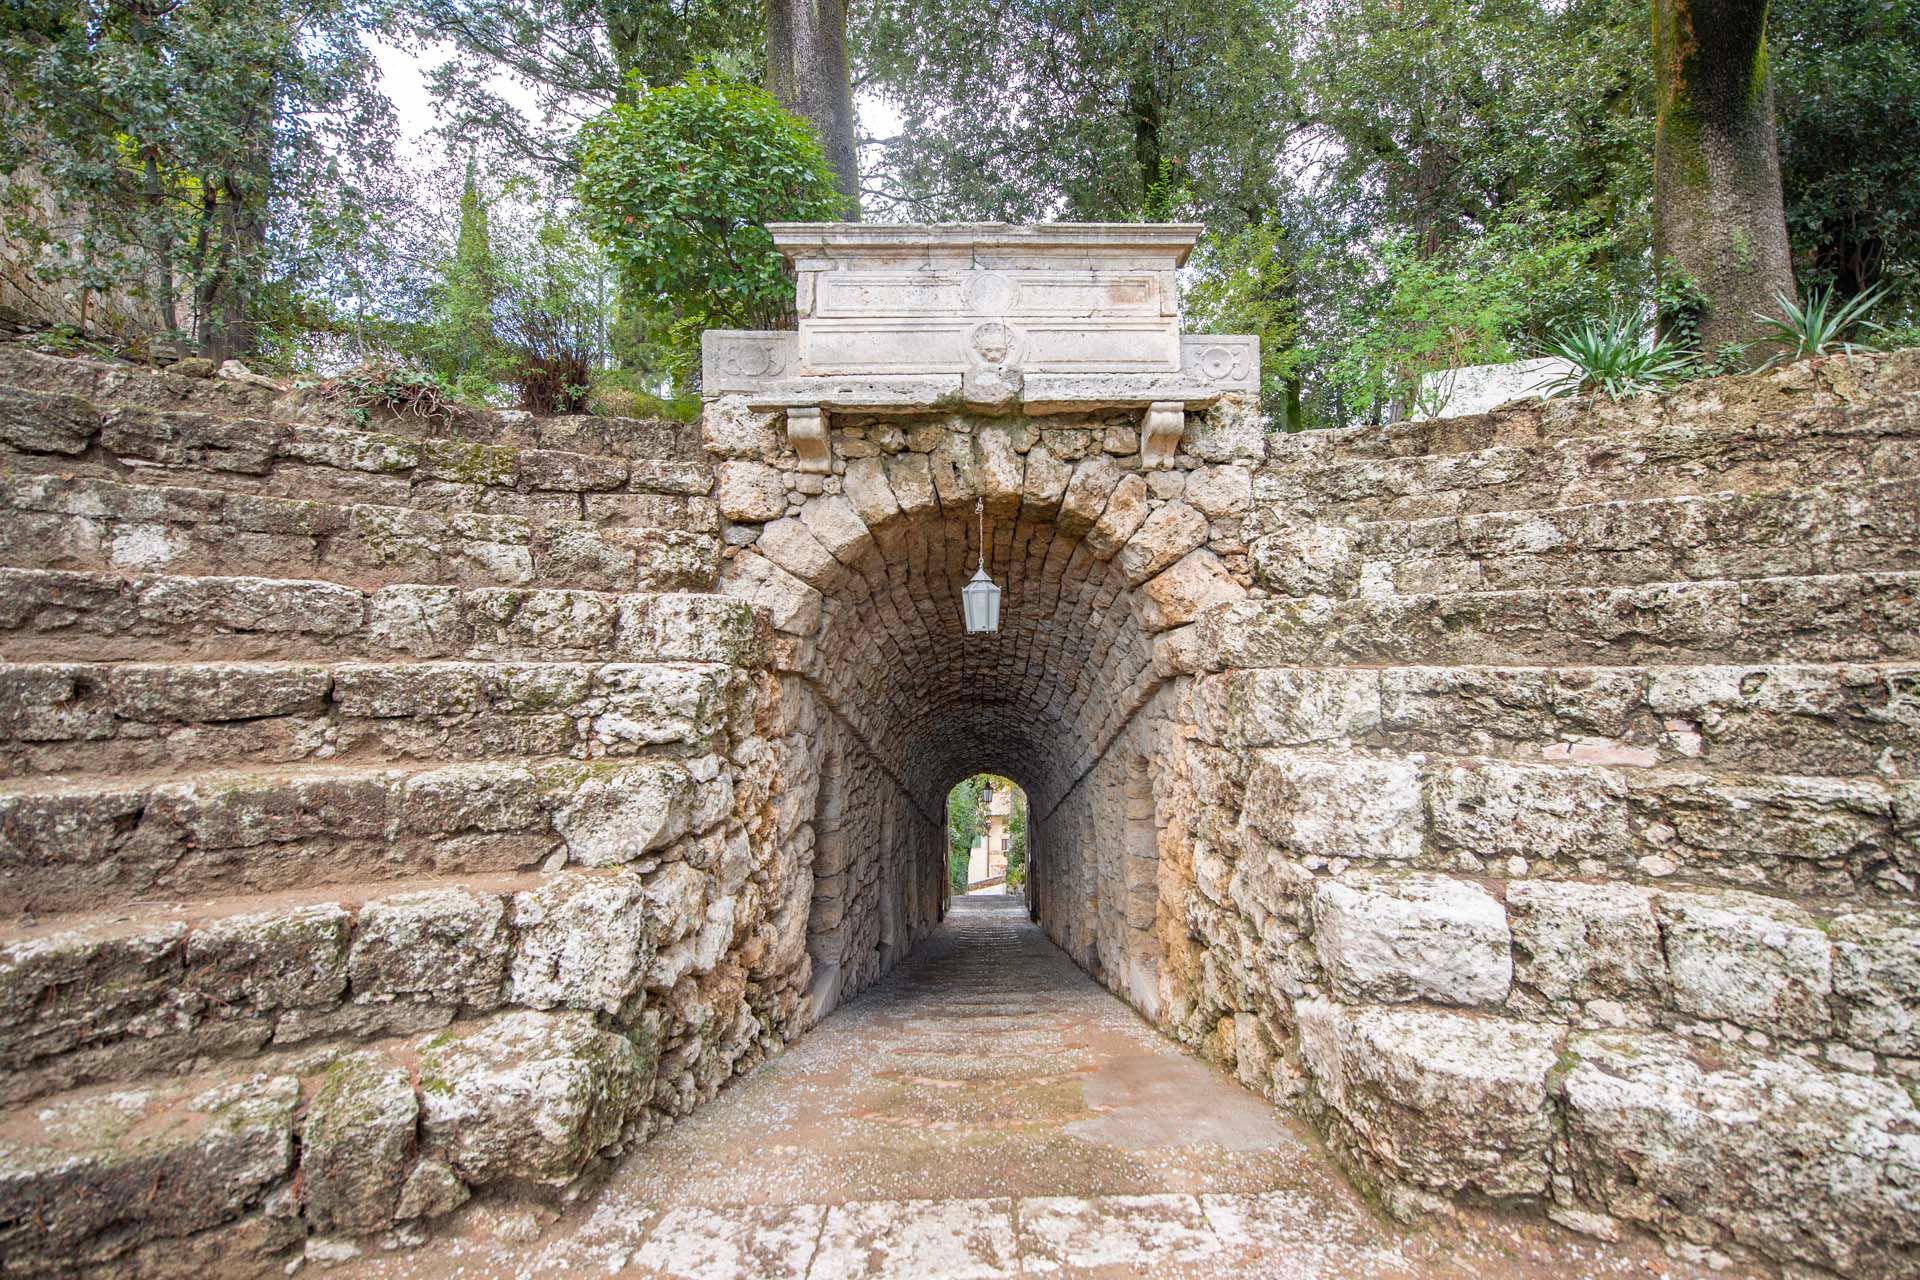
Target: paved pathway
988, 1111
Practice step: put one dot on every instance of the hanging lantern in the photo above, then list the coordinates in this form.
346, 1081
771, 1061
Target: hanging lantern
980, 598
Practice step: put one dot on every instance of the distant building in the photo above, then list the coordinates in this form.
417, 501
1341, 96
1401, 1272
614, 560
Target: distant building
987, 863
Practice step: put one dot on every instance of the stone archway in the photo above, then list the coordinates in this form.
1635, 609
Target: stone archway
1102, 567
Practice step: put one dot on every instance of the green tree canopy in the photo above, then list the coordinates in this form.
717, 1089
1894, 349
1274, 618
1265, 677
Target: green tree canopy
1847, 84
679, 186
196, 151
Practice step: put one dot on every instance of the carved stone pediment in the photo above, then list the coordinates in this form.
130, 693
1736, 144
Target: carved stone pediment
983, 316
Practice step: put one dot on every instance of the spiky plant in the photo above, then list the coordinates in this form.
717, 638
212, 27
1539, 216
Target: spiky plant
1615, 357
1820, 328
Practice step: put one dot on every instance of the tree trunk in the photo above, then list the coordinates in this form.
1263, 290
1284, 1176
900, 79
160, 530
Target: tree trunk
807, 72
1718, 213
1143, 108
230, 293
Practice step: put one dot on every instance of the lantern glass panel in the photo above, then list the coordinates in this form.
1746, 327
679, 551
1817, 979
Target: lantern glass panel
980, 603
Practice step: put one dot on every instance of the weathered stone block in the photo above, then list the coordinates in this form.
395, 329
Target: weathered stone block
1581, 942
1799, 1164
1495, 810
792, 606
1876, 981
835, 525
866, 487
650, 705
1162, 538
1125, 511
355, 1143
272, 960
1414, 937
582, 942
431, 1189
688, 628
66, 989
1749, 959
91, 1175
528, 1095
615, 817
473, 797
1286, 706
440, 946
1193, 585
1355, 808
1440, 1101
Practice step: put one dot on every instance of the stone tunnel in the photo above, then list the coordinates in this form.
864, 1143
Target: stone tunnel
1526, 799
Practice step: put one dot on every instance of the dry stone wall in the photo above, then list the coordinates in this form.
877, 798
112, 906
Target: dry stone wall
1527, 798
392, 813
1552, 808
382, 820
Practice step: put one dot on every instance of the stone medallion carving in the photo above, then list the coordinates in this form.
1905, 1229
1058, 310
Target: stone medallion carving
756, 360
1219, 362
993, 379
986, 293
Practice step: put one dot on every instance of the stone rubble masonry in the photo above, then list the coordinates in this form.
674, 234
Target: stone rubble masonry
393, 813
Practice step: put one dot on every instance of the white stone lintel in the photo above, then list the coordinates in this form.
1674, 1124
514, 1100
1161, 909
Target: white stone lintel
840, 240
757, 365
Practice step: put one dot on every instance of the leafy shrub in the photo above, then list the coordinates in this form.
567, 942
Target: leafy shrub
1616, 357
1678, 307
554, 382
615, 395
679, 186
1820, 328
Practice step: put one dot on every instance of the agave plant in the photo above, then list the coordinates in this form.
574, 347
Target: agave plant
1820, 328
1616, 357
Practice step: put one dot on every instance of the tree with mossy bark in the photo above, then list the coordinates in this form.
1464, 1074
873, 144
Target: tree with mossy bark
807, 74
1718, 212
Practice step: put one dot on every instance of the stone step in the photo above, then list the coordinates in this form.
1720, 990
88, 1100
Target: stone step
1832, 387
52, 615
1661, 1132
135, 717
115, 996
74, 522
50, 379
1820, 839
41, 433
1711, 962
232, 1169
1809, 718
118, 995
1850, 617
1308, 479
71, 843
1828, 529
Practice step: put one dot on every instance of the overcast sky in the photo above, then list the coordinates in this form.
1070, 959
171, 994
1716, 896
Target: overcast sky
403, 80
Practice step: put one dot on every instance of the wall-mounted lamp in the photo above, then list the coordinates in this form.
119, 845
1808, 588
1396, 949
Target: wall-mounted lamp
980, 598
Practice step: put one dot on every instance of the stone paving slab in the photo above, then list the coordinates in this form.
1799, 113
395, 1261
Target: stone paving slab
988, 1112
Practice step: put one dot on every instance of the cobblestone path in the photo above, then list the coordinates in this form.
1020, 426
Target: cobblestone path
989, 1111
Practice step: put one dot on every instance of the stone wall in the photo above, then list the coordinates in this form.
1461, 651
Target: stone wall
382, 821
1552, 809
1526, 798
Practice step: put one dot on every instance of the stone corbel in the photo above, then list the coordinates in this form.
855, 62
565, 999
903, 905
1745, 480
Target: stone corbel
807, 433
1160, 433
